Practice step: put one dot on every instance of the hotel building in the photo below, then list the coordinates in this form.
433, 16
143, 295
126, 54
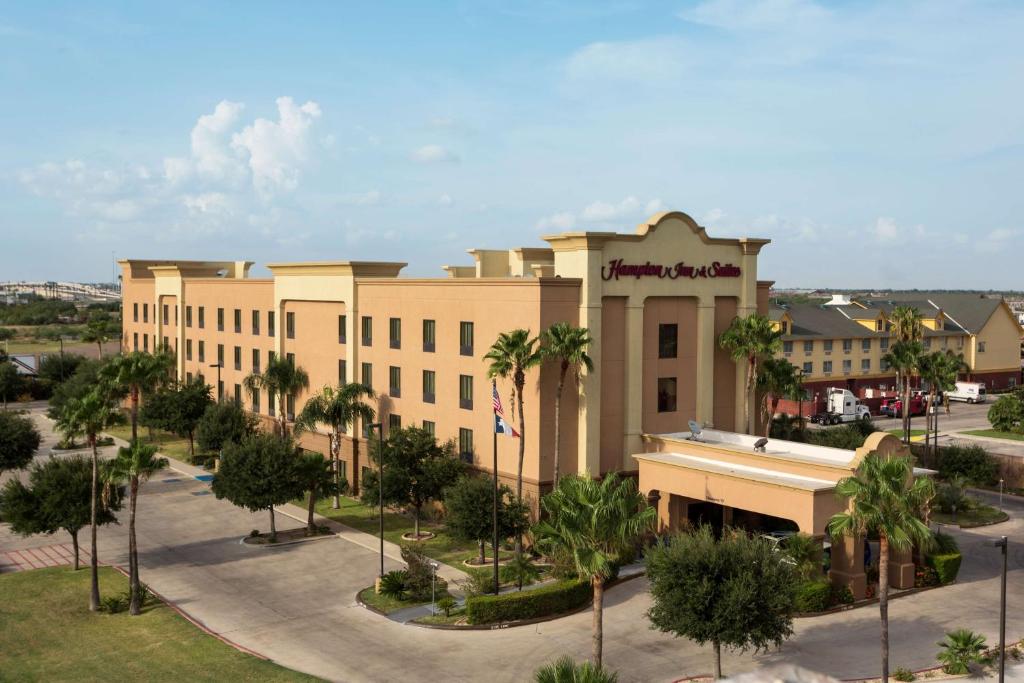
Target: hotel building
654, 301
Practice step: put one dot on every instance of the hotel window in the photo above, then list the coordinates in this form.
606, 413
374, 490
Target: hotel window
270, 358
238, 394
826, 367
188, 377
787, 347
847, 345
176, 314
828, 345
271, 404
395, 333
466, 392
145, 313
145, 342
289, 325
167, 313
466, 338
238, 358
927, 342
342, 324
270, 324
808, 348
290, 357
201, 378
847, 365
202, 317
879, 325
940, 324
135, 341
135, 312
342, 372
666, 394
188, 316
808, 368
466, 444
865, 365
884, 364
166, 346
428, 386
202, 351
395, 381
668, 340
366, 374
256, 361
959, 342
883, 344
429, 427
220, 319
188, 349
220, 355
429, 332
256, 323
366, 331
255, 398
290, 405
785, 327
394, 422
981, 347
865, 345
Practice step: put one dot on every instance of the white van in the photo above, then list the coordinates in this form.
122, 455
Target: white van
972, 392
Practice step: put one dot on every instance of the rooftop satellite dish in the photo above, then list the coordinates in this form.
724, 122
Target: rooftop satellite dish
695, 430
760, 444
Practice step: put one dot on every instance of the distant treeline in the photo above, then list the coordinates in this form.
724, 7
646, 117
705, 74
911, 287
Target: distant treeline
51, 312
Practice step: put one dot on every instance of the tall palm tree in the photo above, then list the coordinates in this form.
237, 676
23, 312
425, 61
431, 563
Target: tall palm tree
566, 345
939, 370
89, 416
338, 408
283, 378
97, 332
136, 373
906, 326
776, 379
136, 464
885, 498
511, 355
751, 340
905, 358
594, 521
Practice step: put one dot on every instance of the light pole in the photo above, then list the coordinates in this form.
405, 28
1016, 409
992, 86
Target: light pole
218, 365
1003, 544
1000, 495
379, 426
61, 340
433, 587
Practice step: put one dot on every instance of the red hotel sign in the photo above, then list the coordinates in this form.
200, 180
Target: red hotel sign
616, 268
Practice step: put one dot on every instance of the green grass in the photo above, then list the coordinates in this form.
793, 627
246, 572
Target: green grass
48, 634
457, 615
995, 434
978, 516
388, 605
169, 444
913, 432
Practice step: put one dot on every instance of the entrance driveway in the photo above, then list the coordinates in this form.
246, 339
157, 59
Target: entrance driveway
296, 605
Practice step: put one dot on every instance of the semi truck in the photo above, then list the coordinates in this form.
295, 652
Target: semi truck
841, 406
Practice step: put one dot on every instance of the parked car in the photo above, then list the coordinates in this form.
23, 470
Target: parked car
972, 392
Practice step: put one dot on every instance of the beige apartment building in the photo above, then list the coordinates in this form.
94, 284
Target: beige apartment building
654, 301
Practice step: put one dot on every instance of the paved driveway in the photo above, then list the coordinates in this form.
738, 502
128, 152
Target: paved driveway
296, 605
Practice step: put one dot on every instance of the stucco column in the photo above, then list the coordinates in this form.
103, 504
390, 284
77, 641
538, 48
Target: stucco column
634, 377
706, 360
901, 568
848, 564
588, 422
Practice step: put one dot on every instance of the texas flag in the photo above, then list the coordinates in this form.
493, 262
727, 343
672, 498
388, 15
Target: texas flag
500, 425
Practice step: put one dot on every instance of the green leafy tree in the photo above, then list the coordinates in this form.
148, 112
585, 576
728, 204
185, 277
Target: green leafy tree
594, 521
223, 423
137, 373
885, 500
1007, 413
56, 368
19, 441
10, 381
7, 333
97, 331
89, 416
751, 340
565, 670
80, 383
417, 470
317, 477
469, 507
58, 496
258, 474
735, 591
566, 345
135, 464
338, 409
178, 408
512, 355
776, 379
281, 378
520, 570
960, 649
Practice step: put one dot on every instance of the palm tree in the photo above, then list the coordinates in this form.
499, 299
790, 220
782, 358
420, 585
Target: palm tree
776, 379
136, 463
906, 326
939, 370
594, 521
564, 670
282, 378
751, 340
905, 358
338, 408
885, 498
566, 345
511, 355
97, 332
137, 372
89, 416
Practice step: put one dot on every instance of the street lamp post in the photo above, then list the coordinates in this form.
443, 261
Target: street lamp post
218, 365
1003, 544
433, 587
61, 340
379, 426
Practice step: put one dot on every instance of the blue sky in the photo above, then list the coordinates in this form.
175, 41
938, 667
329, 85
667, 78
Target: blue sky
877, 144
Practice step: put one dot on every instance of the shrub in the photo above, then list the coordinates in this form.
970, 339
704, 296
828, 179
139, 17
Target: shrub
953, 493
848, 437
925, 576
564, 670
813, 596
478, 583
960, 649
944, 544
420, 579
446, 605
841, 595
903, 674
520, 571
112, 604
540, 602
393, 584
946, 566
145, 595
971, 462
1007, 413
562, 564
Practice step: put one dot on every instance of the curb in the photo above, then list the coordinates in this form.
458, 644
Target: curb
869, 601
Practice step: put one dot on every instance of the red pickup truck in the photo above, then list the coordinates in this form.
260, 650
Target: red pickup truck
893, 407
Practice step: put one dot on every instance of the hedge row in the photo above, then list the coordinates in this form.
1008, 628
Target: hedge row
529, 604
947, 566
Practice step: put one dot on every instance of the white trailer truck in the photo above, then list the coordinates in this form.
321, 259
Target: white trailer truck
972, 392
842, 406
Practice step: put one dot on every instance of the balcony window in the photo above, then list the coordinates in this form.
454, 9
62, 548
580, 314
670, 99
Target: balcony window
429, 332
666, 394
342, 328
395, 381
395, 333
428, 386
466, 392
466, 444
668, 340
466, 338
289, 325
366, 331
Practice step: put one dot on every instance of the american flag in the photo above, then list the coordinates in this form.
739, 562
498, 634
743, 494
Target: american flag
497, 399
500, 425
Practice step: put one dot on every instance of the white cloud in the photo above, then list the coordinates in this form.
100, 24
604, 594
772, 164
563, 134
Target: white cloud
277, 149
212, 156
433, 154
445, 200
564, 220
649, 61
603, 213
886, 230
207, 203
755, 14
997, 240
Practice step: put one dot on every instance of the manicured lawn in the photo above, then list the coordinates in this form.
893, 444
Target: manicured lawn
995, 434
979, 516
169, 444
388, 605
913, 432
47, 634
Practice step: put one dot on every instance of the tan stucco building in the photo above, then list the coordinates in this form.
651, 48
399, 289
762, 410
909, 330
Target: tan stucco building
654, 302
